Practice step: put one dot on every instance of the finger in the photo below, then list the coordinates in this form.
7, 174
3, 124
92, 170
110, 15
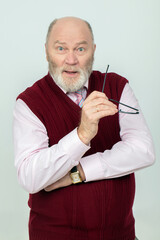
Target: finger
49, 188
104, 113
93, 115
98, 101
94, 95
106, 107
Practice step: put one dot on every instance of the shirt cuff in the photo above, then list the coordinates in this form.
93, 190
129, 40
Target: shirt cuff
73, 146
92, 168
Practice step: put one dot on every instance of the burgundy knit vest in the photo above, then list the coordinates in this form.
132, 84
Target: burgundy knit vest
100, 210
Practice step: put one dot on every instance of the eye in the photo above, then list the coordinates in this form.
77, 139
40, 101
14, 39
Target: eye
60, 48
81, 49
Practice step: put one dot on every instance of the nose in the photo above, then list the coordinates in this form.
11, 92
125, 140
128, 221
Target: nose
71, 58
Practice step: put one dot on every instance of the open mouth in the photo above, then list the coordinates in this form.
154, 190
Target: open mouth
70, 73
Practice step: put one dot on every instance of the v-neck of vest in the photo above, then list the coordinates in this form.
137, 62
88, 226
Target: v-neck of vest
95, 75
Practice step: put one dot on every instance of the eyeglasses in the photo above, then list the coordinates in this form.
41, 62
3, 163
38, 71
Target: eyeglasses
112, 100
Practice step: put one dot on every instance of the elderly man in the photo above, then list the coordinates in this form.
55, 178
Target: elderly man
75, 152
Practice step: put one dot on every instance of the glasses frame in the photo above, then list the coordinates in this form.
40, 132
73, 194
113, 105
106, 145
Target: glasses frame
112, 100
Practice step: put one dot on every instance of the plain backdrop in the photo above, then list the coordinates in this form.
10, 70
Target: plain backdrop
127, 34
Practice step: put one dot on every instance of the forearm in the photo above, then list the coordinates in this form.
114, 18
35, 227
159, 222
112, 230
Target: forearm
35, 173
124, 158
65, 181
135, 150
37, 164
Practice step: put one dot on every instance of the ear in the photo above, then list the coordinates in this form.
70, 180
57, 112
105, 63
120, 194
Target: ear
94, 48
46, 51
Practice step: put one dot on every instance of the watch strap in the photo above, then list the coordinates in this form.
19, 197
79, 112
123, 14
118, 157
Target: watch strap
74, 169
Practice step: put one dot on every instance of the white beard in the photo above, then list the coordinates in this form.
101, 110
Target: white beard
70, 84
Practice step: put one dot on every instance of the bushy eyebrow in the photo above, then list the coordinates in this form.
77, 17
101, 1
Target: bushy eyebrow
77, 44
82, 42
59, 42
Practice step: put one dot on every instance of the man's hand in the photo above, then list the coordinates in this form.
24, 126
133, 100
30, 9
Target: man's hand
95, 107
63, 182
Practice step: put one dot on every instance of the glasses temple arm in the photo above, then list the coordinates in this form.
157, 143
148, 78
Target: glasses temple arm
124, 104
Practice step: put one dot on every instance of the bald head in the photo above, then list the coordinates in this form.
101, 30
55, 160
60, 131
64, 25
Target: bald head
73, 21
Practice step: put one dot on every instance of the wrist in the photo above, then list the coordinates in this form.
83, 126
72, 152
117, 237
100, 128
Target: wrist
81, 172
83, 137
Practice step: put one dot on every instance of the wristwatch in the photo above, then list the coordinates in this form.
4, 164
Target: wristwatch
75, 176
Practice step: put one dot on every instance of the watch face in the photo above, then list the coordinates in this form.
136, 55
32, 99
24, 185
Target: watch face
75, 177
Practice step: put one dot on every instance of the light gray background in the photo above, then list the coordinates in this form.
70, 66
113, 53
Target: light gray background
127, 34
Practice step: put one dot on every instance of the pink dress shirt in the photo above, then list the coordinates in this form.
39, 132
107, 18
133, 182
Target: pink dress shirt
39, 165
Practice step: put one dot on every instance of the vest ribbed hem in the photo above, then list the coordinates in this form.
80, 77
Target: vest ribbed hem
79, 235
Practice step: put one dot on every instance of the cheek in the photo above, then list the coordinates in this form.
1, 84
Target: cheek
86, 61
83, 61
58, 60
